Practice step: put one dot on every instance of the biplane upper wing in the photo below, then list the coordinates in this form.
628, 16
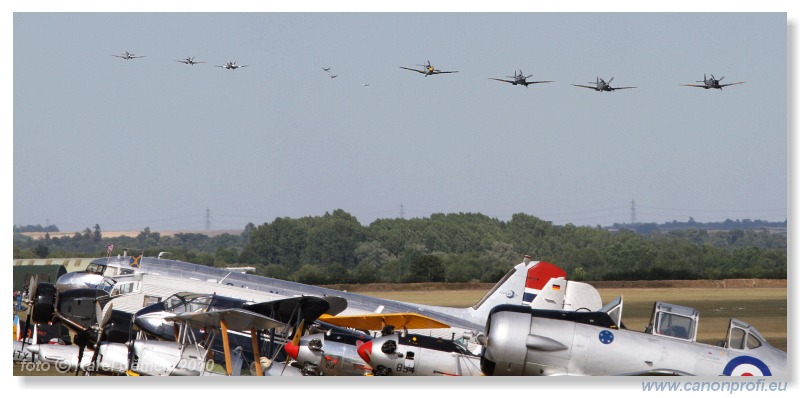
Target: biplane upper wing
404, 320
234, 318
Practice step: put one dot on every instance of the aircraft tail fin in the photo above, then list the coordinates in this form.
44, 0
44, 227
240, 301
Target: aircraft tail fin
519, 286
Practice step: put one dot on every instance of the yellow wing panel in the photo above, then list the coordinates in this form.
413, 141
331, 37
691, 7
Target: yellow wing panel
401, 320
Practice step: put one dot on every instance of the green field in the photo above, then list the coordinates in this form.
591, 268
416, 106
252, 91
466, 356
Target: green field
763, 308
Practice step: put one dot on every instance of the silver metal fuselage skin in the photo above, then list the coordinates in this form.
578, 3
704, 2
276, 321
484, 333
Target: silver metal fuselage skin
522, 344
416, 360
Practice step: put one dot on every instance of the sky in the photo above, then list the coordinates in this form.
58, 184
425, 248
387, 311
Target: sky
151, 142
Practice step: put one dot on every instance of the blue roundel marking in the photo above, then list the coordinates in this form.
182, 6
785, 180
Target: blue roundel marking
746, 361
606, 337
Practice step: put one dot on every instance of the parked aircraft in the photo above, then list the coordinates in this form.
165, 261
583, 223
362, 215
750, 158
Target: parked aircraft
329, 351
404, 354
602, 85
326, 354
231, 65
711, 83
520, 79
527, 341
189, 61
519, 286
128, 55
428, 70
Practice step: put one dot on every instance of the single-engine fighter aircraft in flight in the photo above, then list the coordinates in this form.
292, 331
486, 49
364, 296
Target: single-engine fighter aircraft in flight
602, 85
428, 70
525, 341
520, 79
230, 65
189, 61
128, 55
711, 83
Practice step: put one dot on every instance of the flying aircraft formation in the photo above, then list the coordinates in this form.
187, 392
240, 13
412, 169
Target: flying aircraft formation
128, 317
427, 69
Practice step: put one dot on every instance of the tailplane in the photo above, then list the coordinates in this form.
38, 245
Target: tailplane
520, 286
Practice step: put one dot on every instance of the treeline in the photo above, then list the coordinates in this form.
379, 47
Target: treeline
336, 248
35, 228
727, 225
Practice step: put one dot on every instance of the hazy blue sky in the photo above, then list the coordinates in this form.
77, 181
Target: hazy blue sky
128, 144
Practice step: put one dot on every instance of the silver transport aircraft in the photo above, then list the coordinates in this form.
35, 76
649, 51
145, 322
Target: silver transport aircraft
519, 286
711, 82
602, 85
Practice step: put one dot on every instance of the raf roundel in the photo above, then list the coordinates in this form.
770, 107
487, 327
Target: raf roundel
746, 366
606, 337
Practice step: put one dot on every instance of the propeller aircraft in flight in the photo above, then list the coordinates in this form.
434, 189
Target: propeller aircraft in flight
231, 65
428, 69
602, 85
520, 79
533, 342
711, 83
128, 55
189, 61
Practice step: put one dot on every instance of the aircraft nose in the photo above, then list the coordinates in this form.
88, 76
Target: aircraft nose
364, 351
292, 350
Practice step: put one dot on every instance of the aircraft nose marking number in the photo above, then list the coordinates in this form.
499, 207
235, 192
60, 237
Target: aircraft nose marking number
606, 337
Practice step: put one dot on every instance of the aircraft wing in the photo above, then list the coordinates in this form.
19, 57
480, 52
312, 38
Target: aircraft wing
444, 71
415, 70
234, 318
619, 88
502, 80
694, 85
581, 85
657, 372
541, 81
730, 84
405, 320
309, 307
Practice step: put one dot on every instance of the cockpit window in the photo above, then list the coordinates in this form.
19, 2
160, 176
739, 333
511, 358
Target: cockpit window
93, 268
752, 342
737, 338
674, 325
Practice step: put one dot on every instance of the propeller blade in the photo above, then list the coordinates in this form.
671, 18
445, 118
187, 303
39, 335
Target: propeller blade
609, 80
720, 79
31, 300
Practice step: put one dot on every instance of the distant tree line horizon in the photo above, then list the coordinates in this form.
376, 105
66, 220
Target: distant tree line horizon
457, 247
